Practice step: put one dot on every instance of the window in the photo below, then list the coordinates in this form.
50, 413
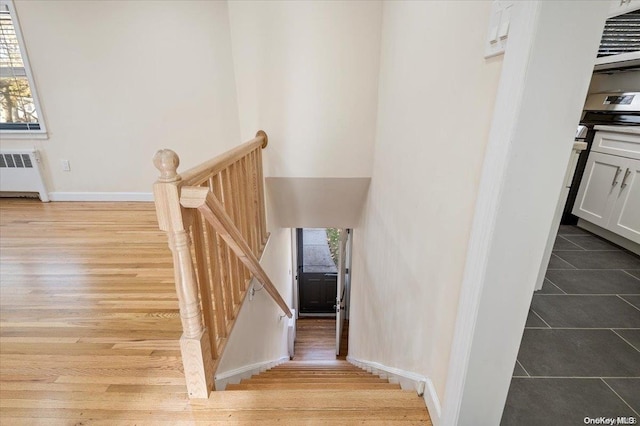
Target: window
19, 110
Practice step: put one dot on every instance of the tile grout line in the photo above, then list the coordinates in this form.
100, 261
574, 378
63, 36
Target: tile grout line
626, 301
554, 284
618, 395
522, 366
542, 319
576, 244
585, 377
591, 269
630, 344
583, 328
588, 294
630, 274
589, 251
553, 254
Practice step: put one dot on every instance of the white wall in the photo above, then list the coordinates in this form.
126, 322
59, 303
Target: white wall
259, 334
119, 80
436, 96
307, 73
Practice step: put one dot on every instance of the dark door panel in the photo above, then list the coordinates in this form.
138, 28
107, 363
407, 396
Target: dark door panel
317, 293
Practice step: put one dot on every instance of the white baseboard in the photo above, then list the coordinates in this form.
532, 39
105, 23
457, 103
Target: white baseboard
101, 196
234, 376
408, 381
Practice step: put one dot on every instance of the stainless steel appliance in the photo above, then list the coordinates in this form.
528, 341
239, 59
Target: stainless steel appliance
607, 108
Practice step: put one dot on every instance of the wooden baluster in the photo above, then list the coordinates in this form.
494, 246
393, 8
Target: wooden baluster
248, 187
253, 187
261, 200
218, 271
234, 197
241, 171
231, 261
173, 219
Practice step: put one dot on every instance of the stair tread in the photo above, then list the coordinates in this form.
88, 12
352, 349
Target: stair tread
320, 392
313, 398
324, 417
317, 385
260, 379
315, 373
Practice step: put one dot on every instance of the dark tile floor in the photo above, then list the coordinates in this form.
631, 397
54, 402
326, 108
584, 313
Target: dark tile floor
580, 352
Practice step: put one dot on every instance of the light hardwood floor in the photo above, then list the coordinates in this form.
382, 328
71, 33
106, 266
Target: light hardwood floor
89, 331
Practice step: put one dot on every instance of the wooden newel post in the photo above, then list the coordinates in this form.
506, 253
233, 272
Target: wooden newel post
174, 220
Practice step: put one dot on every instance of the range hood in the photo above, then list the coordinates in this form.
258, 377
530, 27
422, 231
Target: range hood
620, 44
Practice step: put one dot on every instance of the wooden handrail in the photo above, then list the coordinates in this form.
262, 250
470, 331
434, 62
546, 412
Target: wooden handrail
198, 174
200, 198
216, 236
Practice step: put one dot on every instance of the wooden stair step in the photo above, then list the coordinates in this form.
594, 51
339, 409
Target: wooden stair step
333, 393
313, 374
313, 365
311, 399
317, 385
316, 364
315, 368
129, 416
372, 379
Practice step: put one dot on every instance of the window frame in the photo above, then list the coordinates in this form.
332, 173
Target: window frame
26, 133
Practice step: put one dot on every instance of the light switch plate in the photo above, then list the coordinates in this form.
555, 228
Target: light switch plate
499, 23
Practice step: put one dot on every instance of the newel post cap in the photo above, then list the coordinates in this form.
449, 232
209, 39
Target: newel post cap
167, 162
264, 135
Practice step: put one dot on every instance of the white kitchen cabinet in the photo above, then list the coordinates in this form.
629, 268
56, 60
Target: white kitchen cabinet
599, 188
609, 194
625, 218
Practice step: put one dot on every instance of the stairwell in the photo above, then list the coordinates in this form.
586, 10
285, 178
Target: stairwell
215, 218
321, 392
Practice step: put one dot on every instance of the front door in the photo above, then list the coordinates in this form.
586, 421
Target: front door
317, 272
341, 287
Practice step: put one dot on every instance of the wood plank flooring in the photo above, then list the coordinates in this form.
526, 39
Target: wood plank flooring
315, 339
89, 331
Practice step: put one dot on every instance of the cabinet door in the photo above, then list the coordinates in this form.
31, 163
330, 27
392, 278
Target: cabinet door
625, 218
599, 188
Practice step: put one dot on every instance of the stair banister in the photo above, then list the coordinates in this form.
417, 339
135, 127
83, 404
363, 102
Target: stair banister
202, 199
216, 236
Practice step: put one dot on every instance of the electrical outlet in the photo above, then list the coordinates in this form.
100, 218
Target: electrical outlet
66, 165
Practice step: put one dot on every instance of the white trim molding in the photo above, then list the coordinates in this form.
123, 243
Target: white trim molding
407, 381
102, 196
234, 376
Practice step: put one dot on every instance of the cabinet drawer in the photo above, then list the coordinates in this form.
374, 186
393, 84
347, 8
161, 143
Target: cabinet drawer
621, 144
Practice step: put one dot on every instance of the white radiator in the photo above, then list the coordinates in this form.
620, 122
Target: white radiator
21, 171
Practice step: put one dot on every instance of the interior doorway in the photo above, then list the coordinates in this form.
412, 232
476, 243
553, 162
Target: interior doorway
317, 271
323, 263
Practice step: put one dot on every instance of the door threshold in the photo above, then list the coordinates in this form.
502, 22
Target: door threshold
327, 315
